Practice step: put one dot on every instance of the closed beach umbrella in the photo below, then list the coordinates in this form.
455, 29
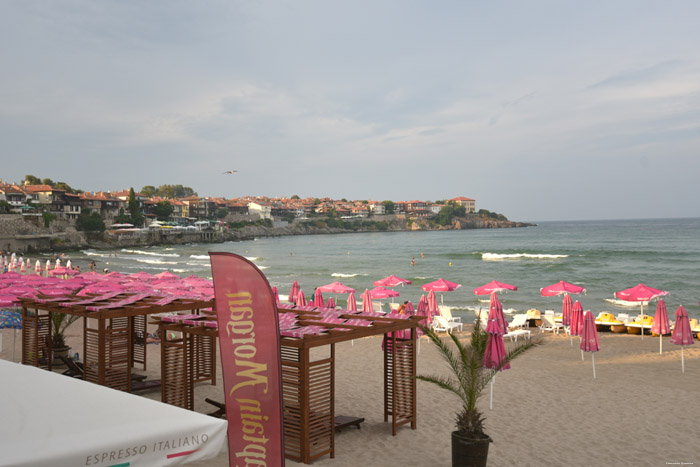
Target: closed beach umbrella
495, 352
293, 292
576, 322
352, 303
681, 333
661, 325
330, 303
589, 338
432, 309
301, 298
37, 267
409, 310
422, 310
318, 298
391, 281
275, 294
367, 301
493, 286
22, 268
566, 310
640, 293
497, 322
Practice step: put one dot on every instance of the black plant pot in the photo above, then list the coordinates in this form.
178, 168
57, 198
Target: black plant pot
469, 452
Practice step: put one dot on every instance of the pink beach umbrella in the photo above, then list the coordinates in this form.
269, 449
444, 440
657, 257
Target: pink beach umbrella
640, 293
301, 298
318, 298
576, 322
661, 325
352, 303
336, 288
330, 303
497, 322
391, 281
495, 352
441, 285
166, 275
367, 301
561, 288
433, 309
293, 292
275, 294
589, 338
567, 305
682, 334
141, 276
493, 286
422, 310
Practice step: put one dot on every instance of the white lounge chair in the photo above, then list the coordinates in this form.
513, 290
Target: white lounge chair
441, 324
548, 324
447, 313
519, 322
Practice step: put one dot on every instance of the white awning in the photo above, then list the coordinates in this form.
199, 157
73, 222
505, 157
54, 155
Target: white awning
51, 419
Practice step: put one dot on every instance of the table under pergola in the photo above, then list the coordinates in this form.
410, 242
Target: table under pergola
308, 382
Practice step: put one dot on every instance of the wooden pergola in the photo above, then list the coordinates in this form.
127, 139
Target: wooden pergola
114, 331
308, 385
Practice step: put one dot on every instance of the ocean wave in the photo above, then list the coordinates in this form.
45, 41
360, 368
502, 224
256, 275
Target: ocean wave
340, 274
199, 256
150, 253
94, 253
251, 258
190, 263
516, 256
155, 261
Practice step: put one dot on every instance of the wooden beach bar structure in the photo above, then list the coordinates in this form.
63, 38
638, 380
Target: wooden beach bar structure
114, 331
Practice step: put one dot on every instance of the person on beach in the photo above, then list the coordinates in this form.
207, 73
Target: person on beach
402, 308
93, 266
413, 261
421, 255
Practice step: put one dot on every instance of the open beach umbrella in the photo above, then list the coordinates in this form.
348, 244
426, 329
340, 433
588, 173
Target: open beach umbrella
352, 303
293, 292
493, 286
441, 285
336, 288
391, 281
167, 275
576, 322
66, 271
681, 333
640, 293
301, 298
589, 338
661, 325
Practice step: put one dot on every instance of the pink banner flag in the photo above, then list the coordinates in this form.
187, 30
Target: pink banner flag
250, 360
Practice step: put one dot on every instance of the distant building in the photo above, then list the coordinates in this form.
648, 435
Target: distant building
468, 203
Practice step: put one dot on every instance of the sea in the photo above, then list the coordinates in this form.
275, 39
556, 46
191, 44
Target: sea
602, 256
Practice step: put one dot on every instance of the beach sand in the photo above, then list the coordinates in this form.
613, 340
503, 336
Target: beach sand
548, 409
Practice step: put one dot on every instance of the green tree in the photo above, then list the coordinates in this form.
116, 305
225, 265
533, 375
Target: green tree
5, 206
163, 210
317, 201
295, 197
122, 217
445, 215
47, 181
135, 209
221, 213
90, 221
32, 180
48, 218
388, 207
67, 188
149, 191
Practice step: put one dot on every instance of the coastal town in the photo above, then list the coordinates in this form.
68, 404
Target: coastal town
32, 200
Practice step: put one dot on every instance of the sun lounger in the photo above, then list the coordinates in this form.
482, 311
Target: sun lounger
440, 324
447, 313
518, 332
548, 324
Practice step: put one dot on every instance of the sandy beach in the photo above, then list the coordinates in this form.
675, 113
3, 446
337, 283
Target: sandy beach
548, 409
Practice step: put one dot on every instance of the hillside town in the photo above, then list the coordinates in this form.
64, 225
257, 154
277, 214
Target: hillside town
33, 200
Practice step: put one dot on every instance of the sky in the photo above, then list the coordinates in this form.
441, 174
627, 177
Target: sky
539, 110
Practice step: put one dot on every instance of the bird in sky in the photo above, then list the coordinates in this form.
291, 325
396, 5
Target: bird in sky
230, 171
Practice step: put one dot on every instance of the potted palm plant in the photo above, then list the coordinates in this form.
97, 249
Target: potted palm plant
467, 381
59, 324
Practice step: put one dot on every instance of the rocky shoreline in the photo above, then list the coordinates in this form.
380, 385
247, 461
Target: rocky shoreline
18, 235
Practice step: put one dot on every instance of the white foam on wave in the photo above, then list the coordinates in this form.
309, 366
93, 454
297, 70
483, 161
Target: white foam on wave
150, 253
94, 253
516, 256
199, 256
252, 258
155, 261
341, 274
190, 263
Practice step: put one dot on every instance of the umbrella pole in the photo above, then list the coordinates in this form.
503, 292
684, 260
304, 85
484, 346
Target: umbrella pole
571, 338
492, 380
682, 362
593, 358
661, 344
580, 341
641, 323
